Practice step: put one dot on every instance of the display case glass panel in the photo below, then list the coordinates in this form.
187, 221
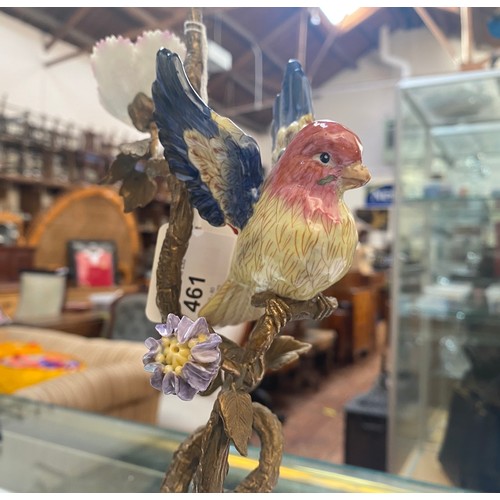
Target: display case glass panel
50, 449
445, 322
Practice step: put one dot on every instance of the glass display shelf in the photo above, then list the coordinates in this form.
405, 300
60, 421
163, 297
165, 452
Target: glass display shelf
448, 129
459, 98
446, 278
45, 448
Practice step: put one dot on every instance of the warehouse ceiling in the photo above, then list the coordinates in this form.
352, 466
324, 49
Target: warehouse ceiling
262, 37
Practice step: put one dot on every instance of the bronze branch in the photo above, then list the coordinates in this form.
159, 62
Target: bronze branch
201, 462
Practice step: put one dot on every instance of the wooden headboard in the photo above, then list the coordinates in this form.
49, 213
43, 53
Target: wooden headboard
93, 212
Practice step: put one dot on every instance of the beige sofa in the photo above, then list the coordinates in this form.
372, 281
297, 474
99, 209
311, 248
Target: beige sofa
113, 383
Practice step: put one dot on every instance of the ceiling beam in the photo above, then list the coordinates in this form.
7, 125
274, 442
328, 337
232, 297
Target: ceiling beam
141, 15
240, 30
399, 18
325, 48
241, 61
67, 57
357, 17
179, 15
466, 35
242, 82
36, 17
348, 24
373, 41
454, 10
75, 18
303, 33
437, 33
219, 79
247, 56
242, 109
133, 33
245, 84
166, 23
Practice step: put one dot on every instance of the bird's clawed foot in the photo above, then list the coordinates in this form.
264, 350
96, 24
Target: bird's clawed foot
326, 306
318, 308
277, 307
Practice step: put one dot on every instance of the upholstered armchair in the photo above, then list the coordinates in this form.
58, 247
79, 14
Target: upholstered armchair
113, 381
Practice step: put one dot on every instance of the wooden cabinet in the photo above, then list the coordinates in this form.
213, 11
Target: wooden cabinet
9, 296
78, 299
41, 157
12, 260
85, 324
356, 318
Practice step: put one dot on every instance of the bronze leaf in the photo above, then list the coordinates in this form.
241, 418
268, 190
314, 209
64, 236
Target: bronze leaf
232, 355
237, 414
284, 350
121, 167
230, 348
214, 385
136, 148
232, 367
157, 168
137, 190
141, 112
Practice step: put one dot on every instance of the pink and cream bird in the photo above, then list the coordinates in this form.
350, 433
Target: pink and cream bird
296, 235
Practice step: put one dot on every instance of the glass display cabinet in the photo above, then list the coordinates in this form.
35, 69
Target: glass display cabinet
446, 281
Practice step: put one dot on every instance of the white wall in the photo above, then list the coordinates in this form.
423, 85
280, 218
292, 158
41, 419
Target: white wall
66, 90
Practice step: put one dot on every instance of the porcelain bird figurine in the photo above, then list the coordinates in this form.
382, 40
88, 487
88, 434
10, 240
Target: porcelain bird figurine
296, 235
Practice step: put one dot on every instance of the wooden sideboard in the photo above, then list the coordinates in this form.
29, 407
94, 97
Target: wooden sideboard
83, 323
360, 298
9, 296
13, 259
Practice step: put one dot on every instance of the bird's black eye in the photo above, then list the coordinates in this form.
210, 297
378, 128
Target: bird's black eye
324, 158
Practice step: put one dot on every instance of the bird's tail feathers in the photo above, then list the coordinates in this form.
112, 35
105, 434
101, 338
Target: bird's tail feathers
293, 108
231, 305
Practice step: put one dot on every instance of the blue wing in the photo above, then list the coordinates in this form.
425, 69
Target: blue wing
220, 165
292, 109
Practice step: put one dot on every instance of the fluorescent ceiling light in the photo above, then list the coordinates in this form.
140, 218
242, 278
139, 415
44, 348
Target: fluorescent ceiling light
219, 59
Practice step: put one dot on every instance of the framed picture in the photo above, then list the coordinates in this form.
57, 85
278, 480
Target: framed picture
92, 262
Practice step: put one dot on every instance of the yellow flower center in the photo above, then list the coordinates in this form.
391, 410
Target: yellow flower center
175, 355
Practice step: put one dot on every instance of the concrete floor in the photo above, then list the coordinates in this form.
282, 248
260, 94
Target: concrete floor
314, 418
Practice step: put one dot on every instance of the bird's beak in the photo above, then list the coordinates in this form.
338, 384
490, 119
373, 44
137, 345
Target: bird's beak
354, 176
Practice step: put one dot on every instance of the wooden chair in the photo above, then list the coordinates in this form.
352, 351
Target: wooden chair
308, 371
356, 319
128, 320
42, 294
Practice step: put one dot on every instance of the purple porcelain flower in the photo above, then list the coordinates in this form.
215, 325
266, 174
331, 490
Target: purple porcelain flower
186, 358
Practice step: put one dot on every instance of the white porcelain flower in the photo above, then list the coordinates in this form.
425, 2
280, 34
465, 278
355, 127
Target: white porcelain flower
123, 68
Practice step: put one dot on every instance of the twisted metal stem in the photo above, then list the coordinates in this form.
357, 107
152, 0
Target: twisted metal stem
175, 243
